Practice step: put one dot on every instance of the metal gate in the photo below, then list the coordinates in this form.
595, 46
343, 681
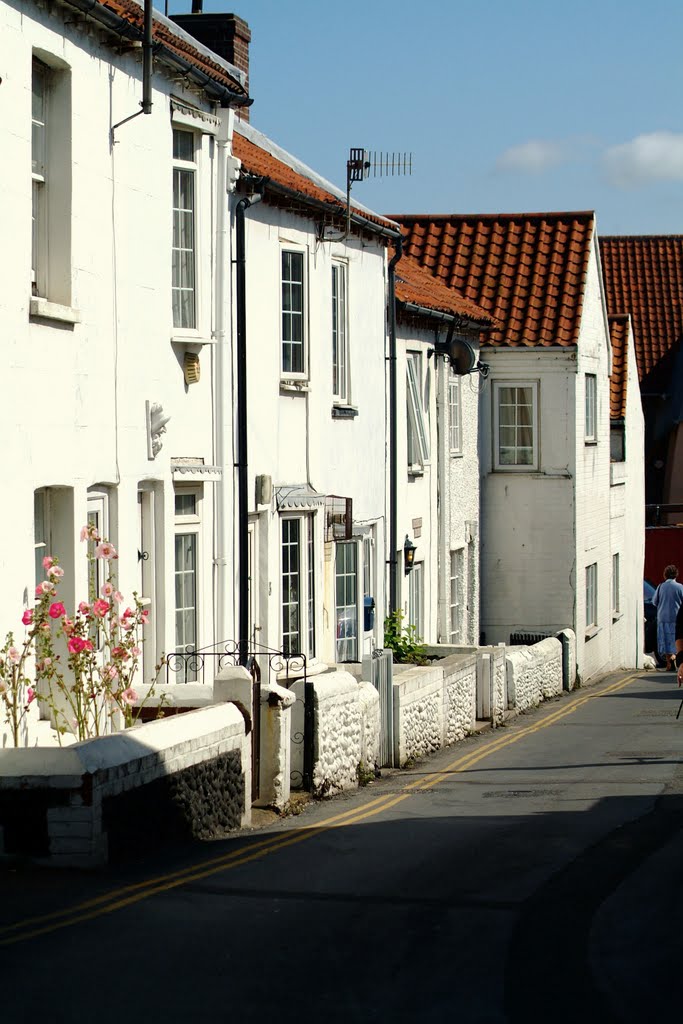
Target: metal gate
381, 665
288, 670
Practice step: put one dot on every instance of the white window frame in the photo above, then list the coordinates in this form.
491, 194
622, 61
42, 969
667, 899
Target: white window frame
515, 427
340, 336
51, 183
40, 73
454, 413
350, 573
306, 600
456, 591
287, 338
592, 597
417, 428
591, 408
188, 525
189, 169
98, 516
416, 599
616, 585
42, 531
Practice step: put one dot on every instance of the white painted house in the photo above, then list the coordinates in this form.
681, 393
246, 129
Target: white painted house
438, 456
314, 323
561, 542
114, 308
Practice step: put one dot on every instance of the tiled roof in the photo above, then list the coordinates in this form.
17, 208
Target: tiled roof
262, 157
528, 270
618, 332
178, 43
644, 277
416, 285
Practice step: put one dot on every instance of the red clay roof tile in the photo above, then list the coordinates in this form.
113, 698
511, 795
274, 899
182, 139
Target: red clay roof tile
177, 43
526, 270
416, 285
618, 330
644, 277
256, 159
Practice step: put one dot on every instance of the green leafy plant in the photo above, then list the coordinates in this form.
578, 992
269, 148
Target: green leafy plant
403, 640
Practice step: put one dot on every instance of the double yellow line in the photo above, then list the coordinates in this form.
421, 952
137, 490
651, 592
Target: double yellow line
117, 899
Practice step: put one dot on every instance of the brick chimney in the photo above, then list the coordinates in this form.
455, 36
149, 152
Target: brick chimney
225, 34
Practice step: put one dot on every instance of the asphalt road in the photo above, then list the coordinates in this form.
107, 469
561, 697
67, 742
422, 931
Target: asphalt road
529, 874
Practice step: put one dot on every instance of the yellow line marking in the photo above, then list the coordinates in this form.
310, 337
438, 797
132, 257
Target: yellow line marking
117, 899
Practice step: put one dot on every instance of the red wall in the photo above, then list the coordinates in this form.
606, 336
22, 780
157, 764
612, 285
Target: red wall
663, 546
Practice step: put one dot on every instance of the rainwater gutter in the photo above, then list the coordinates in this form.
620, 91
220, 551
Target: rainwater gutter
127, 30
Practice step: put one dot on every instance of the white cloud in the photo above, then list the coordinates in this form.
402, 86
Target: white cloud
657, 156
533, 157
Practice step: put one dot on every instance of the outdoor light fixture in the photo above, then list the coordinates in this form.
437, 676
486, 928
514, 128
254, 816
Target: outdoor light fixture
409, 550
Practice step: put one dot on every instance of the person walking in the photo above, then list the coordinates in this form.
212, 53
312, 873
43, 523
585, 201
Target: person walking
668, 599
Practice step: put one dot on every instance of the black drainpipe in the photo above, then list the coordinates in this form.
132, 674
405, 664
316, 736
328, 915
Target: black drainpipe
242, 459
393, 433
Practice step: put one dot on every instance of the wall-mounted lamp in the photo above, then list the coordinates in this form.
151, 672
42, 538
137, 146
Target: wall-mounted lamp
409, 550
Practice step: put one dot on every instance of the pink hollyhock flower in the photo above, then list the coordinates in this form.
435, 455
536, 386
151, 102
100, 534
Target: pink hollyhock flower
48, 562
84, 607
105, 549
55, 572
120, 652
27, 617
106, 589
100, 608
67, 625
118, 597
31, 694
14, 655
87, 645
136, 652
45, 588
110, 672
75, 644
144, 614
89, 532
128, 696
56, 610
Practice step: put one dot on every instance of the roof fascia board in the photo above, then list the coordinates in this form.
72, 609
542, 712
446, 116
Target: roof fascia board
437, 314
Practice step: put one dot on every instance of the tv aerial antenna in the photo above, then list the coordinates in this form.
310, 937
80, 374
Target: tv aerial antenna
363, 164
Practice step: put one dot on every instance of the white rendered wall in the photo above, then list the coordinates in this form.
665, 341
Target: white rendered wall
527, 525
439, 508
593, 493
627, 527
293, 436
74, 411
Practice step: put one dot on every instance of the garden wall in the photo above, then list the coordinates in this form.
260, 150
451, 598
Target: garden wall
179, 777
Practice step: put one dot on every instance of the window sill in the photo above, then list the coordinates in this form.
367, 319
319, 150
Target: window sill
416, 471
590, 442
590, 633
294, 387
616, 616
455, 454
344, 412
43, 309
191, 344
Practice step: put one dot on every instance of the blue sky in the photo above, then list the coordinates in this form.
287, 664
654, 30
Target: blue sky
511, 106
